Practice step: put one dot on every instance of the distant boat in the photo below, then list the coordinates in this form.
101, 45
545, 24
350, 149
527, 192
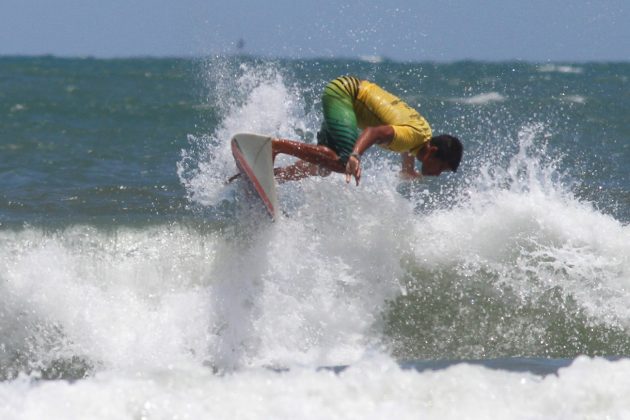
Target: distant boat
240, 44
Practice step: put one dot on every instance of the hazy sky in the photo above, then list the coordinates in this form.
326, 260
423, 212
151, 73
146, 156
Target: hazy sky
443, 30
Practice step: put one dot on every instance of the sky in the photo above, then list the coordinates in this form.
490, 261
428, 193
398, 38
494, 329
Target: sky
401, 30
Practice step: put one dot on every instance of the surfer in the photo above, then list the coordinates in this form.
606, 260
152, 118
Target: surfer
357, 115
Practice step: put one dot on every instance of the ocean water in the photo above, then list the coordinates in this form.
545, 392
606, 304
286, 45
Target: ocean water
134, 283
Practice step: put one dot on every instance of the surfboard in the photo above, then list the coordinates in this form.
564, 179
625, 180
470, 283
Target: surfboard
253, 156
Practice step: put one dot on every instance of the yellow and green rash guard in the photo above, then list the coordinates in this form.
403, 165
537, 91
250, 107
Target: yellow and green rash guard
350, 104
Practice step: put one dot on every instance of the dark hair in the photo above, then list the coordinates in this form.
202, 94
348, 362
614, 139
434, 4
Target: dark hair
449, 149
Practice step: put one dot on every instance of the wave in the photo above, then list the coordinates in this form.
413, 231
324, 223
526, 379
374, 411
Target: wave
555, 68
372, 59
481, 99
577, 99
515, 265
498, 260
169, 296
371, 389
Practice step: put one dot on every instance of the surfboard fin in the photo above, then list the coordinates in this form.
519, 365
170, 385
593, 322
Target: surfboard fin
233, 178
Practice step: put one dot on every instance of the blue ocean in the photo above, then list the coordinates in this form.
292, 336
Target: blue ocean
136, 284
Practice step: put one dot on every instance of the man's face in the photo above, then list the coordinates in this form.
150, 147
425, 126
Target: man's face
433, 166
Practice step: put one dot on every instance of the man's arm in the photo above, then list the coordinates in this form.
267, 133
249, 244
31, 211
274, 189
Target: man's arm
382, 134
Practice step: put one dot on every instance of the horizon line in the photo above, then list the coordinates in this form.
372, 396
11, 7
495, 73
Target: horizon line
374, 59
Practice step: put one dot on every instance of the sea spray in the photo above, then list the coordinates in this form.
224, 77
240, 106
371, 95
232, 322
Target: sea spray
111, 299
519, 266
257, 100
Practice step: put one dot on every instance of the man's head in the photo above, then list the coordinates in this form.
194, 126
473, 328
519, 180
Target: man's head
442, 153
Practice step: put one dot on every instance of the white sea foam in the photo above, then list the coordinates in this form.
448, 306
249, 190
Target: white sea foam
169, 296
557, 68
578, 99
372, 59
254, 100
124, 299
481, 99
522, 223
371, 389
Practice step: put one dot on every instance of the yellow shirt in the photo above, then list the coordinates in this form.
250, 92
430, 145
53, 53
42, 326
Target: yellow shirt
374, 106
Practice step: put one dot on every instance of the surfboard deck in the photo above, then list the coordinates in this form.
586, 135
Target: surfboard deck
254, 159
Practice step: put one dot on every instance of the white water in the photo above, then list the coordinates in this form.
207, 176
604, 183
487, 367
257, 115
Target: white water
151, 308
554, 68
481, 99
523, 223
372, 389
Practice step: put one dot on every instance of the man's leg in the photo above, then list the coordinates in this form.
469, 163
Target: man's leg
313, 159
338, 134
300, 169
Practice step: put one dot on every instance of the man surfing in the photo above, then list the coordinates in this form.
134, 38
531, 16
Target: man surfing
357, 115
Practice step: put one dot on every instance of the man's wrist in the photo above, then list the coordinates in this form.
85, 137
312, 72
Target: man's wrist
356, 155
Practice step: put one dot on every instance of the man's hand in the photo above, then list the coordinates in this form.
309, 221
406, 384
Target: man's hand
353, 167
408, 170
382, 134
410, 175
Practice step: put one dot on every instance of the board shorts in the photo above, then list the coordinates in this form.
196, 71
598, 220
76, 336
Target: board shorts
340, 129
